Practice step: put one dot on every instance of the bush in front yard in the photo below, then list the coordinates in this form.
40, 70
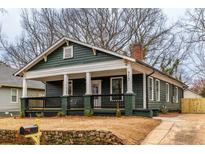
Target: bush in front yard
40, 114
164, 109
60, 114
21, 115
88, 113
118, 112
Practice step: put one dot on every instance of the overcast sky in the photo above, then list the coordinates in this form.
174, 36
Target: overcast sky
11, 26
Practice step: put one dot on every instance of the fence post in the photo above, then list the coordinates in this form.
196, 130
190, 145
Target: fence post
64, 102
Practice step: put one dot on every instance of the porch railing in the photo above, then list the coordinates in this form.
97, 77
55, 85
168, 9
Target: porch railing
43, 103
75, 102
107, 101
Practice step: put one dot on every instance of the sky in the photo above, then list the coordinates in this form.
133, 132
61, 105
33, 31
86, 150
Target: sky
11, 25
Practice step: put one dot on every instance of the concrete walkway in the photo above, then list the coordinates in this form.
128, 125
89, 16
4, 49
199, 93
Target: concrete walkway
186, 129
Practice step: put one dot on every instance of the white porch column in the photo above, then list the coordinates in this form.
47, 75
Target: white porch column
129, 79
65, 84
88, 83
144, 92
24, 91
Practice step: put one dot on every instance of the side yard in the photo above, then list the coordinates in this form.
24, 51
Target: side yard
132, 130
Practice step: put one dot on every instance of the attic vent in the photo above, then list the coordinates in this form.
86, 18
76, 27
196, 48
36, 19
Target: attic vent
68, 52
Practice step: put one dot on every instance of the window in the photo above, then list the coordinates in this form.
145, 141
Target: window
14, 95
157, 90
150, 88
116, 88
167, 92
175, 95
68, 52
70, 87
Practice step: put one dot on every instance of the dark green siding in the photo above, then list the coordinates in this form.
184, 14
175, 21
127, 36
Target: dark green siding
171, 106
82, 55
54, 88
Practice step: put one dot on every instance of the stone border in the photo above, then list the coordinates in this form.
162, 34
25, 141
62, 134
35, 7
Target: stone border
58, 137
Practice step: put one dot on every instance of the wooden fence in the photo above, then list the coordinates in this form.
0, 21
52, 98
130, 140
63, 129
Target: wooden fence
193, 105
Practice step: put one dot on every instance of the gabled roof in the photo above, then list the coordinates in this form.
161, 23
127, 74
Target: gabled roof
8, 80
61, 42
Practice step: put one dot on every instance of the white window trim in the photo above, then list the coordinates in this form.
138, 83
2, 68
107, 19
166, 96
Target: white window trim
17, 98
151, 99
111, 87
157, 80
167, 92
71, 52
71, 81
177, 95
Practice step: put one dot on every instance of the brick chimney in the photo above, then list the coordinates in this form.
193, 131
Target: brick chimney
137, 51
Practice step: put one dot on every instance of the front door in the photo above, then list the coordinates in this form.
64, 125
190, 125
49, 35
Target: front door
96, 90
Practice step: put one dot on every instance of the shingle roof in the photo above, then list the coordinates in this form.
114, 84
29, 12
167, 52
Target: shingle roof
8, 79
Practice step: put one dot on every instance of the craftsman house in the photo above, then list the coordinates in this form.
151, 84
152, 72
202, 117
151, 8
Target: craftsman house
81, 78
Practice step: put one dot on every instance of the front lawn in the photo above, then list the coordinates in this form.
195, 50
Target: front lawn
132, 130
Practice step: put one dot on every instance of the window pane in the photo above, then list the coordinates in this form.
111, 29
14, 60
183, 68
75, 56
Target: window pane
150, 83
70, 88
14, 95
117, 88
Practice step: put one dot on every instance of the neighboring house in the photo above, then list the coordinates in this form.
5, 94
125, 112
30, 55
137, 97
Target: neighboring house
11, 90
81, 78
190, 94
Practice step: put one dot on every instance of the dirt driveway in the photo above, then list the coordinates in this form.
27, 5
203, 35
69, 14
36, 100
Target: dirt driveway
184, 129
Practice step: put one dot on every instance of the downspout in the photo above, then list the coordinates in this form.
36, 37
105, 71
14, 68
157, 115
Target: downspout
147, 98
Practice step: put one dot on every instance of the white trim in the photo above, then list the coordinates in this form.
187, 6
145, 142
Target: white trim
152, 98
17, 98
157, 80
120, 77
93, 67
88, 83
25, 88
129, 79
64, 49
65, 84
177, 95
144, 91
59, 43
167, 93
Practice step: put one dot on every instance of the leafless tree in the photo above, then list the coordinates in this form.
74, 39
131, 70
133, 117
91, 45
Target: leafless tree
112, 29
194, 30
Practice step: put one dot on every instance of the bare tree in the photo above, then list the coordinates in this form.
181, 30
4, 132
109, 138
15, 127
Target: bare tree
112, 29
194, 30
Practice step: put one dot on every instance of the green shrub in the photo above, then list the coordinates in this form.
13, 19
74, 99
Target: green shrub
118, 112
40, 114
88, 113
61, 114
164, 109
21, 114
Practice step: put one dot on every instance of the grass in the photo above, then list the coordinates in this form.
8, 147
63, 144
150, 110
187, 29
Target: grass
132, 130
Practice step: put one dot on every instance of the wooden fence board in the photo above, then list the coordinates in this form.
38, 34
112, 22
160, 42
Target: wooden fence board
195, 105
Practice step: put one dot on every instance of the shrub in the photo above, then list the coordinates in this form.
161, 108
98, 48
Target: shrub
60, 114
163, 109
88, 113
118, 112
40, 114
21, 114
